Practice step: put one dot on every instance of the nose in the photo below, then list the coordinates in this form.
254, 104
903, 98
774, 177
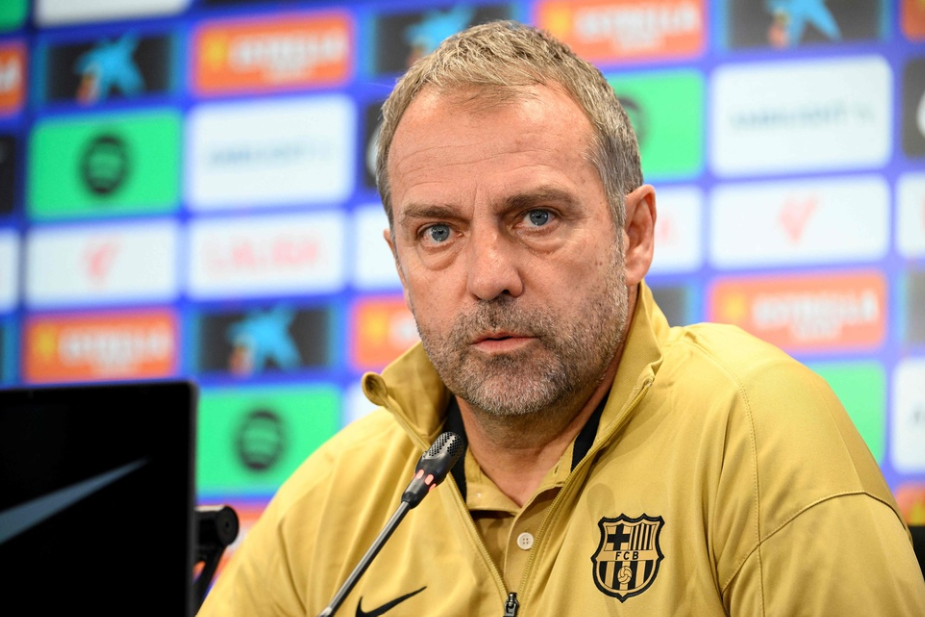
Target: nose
492, 263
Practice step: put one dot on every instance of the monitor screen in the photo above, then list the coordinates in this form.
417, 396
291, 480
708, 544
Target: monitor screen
97, 491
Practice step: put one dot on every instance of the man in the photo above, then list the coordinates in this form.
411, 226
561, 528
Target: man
614, 465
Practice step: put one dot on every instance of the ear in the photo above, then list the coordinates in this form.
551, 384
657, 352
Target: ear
639, 233
386, 233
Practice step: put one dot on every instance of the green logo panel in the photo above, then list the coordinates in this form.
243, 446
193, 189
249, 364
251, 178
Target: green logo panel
251, 439
105, 165
12, 14
861, 387
666, 111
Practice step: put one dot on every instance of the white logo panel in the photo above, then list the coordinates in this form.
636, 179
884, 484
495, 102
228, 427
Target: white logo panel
908, 417
269, 255
270, 153
678, 246
801, 116
793, 222
910, 217
9, 269
374, 265
58, 12
101, 264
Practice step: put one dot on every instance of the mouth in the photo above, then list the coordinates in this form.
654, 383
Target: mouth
501, 341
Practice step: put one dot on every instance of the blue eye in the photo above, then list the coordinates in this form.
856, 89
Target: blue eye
439, 232
538, 217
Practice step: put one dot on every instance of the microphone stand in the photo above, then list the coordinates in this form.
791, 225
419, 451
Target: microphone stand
358, 571
431, 469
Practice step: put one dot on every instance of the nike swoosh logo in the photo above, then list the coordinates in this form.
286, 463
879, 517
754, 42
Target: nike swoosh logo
18, 519
387, 606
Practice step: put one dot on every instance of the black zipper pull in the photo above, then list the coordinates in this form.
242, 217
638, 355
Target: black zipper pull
511, 606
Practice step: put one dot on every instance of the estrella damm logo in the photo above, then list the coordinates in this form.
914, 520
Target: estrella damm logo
627, 558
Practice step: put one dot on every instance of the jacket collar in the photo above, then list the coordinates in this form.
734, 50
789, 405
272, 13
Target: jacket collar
412, 390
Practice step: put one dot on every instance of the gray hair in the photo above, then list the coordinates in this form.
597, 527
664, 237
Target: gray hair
503, 55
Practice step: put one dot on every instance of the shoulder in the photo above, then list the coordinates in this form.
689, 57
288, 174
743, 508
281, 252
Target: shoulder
786, 437
369, 448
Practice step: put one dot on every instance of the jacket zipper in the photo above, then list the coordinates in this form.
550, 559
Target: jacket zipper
560, 498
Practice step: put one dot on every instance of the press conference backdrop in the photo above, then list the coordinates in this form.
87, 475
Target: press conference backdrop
186, 189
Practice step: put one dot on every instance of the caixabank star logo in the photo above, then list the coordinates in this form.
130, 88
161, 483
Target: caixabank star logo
627, 558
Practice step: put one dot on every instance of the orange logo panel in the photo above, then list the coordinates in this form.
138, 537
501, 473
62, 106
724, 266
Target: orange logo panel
910, 498
913, 18
384, 329
808, 312
12, 77
278, 54
91, 347
610, 30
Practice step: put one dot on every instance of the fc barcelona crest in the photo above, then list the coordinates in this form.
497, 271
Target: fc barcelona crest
627, 559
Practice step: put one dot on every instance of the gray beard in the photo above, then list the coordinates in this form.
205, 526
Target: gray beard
565, 362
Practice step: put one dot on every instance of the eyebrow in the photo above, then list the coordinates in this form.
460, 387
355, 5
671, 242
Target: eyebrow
516, 201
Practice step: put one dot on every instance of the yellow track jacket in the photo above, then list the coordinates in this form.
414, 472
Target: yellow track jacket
725, 478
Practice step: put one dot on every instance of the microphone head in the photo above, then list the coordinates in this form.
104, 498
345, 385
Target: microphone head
433, 466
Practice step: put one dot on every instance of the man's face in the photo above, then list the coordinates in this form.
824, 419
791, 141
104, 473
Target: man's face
506, 247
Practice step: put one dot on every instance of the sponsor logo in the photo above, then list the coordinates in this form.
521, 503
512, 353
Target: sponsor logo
805, 313
796, 222
270, 153
910, 497
628, 555
9, 270
383, 329
8, 182
277, 338
913, 104
12, 78
372, 123
286, 52
913, 18
801, 116
266, 255
677, 231
25, 516
13, 14
254, 438
61, 12
374, 265
861, 387
96, 166
100, 346
910, 216
382, 609
112, 263
614, 30
119, 67
666, 111
786, 24
912, 317
907, 430
400, 39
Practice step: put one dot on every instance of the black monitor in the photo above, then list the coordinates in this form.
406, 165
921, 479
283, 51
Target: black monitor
97, 498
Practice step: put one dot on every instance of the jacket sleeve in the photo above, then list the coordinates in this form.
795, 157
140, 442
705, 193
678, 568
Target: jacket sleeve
804, 522
847, 555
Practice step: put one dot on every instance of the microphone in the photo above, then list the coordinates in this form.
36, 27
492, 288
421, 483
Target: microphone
431, 470
433, 467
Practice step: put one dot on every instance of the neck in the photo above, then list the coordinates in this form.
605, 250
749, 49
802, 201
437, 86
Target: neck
517, 452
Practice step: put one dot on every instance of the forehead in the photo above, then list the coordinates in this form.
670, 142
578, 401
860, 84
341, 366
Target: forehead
457, 135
